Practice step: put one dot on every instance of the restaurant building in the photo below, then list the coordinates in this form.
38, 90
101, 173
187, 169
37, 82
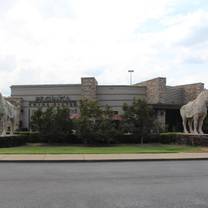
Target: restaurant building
165, 100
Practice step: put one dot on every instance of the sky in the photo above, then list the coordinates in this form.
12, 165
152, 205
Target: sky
60, 41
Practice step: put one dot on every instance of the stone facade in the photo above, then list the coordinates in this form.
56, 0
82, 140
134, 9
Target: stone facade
89, 88
191, 91
174, 95
158, 92
191, 139
155, 90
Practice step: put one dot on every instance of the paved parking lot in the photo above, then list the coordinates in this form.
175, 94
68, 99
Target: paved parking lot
102, 185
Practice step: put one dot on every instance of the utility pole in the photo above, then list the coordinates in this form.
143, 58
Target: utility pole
130, 72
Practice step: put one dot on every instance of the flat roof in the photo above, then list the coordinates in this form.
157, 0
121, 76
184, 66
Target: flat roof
68, 85
46, 85
120, 86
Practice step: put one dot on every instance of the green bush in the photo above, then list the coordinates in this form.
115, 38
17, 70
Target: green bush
134, 139
36, 137
12, 141
169, 137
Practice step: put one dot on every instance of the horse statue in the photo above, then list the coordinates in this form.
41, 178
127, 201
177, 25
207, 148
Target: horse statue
8, 116
194, 112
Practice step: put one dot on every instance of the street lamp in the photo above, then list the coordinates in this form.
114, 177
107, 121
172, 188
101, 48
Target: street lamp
130, 72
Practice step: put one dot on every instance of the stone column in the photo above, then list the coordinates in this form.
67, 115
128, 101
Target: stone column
156, 94
88, 88
161, 119
155, 90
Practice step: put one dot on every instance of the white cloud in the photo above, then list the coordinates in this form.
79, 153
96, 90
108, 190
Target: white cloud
61, 41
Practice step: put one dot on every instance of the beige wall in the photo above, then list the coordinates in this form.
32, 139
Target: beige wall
116, 96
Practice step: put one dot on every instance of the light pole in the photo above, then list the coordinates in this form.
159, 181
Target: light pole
130, 72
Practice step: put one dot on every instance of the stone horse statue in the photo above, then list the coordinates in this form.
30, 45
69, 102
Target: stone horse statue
194, 112
8, 116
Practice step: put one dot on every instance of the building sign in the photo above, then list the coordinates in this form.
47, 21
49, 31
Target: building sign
53, 101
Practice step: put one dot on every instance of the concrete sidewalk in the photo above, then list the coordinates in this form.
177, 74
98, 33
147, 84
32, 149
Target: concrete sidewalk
100, 157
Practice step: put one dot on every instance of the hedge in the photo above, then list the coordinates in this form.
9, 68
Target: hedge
132, 139
35, 137
169, 137
164, 138
12, 141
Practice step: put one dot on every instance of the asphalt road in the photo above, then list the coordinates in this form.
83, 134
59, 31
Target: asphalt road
103, 185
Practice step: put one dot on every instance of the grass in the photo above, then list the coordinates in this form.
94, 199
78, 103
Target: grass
126, 149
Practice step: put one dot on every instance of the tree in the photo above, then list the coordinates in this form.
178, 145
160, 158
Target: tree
53, 123
37, 120
85, 126
63, 123
138, 118
106, 130
95, 124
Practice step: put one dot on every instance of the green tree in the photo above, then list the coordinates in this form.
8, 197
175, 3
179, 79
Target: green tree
138, 118
63, 124
95, 124
53, 123
85, 126
37, 120
106, 130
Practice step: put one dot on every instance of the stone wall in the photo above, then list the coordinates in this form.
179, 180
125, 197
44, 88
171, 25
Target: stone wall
182, 94
174, 95
156, 90
191, 139
89, 88
158, 93
191, 91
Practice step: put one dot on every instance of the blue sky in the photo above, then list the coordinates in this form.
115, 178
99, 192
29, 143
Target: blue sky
50, 41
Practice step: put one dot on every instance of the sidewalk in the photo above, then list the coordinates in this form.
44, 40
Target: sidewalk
101, 157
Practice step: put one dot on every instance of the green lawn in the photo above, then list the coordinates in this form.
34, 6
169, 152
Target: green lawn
100, 150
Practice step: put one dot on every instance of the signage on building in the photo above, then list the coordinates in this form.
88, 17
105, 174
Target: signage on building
52, 101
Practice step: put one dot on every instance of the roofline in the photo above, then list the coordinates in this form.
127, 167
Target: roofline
186, 84
120, 86
45, 85
142, 82
68, 85
87, 77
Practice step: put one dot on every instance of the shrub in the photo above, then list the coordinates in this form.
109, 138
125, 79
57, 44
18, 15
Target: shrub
36, 137
132, 139
12, 141
169, 137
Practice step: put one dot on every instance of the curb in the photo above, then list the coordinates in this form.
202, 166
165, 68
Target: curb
104, 160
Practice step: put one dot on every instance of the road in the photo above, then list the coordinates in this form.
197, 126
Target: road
104, 185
